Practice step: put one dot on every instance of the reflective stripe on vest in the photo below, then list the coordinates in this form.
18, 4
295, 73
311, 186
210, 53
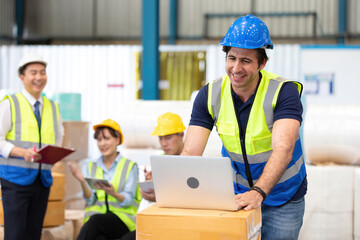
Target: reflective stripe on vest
25, 133
126, 214
258, 135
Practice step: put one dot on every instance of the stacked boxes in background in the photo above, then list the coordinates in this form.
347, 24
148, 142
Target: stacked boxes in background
54, 226
55, 212
76, 135
76, 217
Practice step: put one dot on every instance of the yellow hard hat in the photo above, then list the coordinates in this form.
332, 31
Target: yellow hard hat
168, 123
111, 124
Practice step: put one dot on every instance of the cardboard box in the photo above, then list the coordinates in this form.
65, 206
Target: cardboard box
55, 212
54, 216
62, 232
59, 167
57, 190
77, 219
76, 204
155, 223
73, 188
76, 135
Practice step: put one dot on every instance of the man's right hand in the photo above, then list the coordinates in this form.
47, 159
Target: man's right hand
30, 155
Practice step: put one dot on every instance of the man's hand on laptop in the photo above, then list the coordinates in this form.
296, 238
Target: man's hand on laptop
248, 200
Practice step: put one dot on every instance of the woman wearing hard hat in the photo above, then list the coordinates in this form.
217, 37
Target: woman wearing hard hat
111, 207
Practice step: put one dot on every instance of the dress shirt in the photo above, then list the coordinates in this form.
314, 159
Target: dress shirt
130, 185
5, 122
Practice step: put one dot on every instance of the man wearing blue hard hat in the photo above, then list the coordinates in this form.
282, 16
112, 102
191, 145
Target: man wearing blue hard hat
257, 115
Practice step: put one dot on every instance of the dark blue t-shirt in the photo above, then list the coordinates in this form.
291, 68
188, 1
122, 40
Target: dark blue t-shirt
288, 106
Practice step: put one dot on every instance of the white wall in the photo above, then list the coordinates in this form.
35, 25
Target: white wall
336, 64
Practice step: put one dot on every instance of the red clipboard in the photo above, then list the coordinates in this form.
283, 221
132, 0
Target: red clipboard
52, 154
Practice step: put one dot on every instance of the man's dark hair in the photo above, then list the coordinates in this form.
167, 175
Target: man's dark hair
261, 54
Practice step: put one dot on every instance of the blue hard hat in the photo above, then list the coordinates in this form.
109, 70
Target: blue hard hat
248, 32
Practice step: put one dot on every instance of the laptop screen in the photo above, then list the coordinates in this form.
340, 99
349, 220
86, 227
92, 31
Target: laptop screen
193, 182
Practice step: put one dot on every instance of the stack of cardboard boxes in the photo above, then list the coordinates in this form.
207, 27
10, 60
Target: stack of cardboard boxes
55, 211
54, 221
76, 135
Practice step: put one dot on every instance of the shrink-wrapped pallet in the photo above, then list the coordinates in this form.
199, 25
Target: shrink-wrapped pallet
357, 204
332, 134
329, 203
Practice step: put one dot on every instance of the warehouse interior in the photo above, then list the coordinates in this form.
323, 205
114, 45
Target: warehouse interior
133, 60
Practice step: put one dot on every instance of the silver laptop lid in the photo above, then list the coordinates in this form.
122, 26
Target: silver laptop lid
193, 182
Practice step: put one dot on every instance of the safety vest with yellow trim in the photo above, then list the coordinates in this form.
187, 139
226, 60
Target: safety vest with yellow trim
126, 214
25, 133
256, 144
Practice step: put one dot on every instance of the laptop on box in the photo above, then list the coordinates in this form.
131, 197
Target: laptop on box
193, 182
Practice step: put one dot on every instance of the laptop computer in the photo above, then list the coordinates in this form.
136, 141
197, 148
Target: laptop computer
193, 182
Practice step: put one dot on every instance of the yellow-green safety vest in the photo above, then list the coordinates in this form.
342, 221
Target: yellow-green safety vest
25, 133
126, 214
256, 147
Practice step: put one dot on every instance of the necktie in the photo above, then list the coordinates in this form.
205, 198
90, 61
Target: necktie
37, 113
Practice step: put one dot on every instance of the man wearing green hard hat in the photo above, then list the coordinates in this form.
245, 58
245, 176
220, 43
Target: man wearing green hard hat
257, 115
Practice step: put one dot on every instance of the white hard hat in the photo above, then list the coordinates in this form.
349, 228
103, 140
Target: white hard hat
30, 58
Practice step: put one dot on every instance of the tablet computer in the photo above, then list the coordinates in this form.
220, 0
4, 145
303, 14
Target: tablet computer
146, 185
92, 181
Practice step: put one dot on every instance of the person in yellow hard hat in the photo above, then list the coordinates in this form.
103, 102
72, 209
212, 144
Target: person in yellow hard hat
170, 129
112, 206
